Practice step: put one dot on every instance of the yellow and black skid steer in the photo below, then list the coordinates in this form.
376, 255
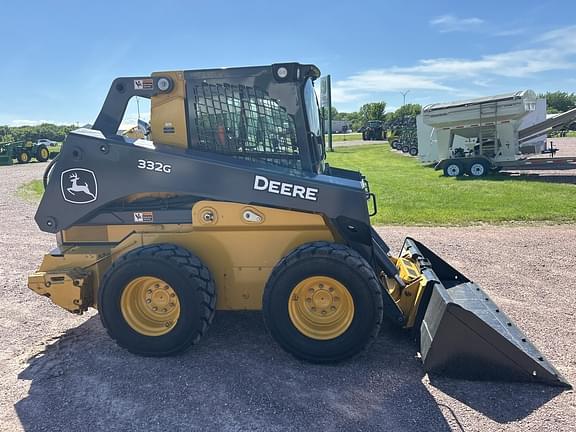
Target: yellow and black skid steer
228, 203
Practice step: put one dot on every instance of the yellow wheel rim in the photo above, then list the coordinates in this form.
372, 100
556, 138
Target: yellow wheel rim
24, 157
321, 308
150, 306
44, 153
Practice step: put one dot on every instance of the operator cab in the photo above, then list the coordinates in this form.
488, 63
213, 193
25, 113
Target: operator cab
266, 115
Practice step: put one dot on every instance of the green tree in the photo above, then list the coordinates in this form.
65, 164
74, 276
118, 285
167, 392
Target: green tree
33, 133
373, 111
558, 101
408, 110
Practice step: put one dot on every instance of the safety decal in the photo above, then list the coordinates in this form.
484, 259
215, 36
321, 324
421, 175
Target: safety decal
143, 217
143, 84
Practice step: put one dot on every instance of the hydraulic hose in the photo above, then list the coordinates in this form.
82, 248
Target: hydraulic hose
48, 170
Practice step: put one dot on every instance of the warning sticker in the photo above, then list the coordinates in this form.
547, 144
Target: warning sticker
143, 217
143, 84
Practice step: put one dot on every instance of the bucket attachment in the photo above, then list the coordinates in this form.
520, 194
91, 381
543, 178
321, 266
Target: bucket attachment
464, 334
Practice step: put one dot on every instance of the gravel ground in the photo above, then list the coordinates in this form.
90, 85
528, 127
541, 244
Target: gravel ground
61, 372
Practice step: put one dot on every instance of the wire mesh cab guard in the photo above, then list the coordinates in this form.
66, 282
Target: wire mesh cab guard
244, 122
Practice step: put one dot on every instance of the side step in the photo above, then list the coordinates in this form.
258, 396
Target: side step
464, 334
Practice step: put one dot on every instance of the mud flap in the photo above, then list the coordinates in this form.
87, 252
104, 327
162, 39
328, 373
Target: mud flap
464, 334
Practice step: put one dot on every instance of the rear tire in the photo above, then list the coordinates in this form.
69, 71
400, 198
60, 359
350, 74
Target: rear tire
337, 276
23, 157
42, 154
478, 168
137, 283
405, 149
413, 151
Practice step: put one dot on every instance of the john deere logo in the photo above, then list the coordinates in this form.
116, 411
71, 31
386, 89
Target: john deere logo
79, 186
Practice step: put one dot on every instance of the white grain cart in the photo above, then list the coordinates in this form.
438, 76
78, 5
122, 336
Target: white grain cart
492, 133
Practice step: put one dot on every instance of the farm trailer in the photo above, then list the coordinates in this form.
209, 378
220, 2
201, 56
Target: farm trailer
493, 133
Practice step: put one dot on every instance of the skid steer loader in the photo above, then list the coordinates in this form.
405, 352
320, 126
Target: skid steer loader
229, 204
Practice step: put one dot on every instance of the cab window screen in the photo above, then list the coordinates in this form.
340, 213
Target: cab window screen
244, 122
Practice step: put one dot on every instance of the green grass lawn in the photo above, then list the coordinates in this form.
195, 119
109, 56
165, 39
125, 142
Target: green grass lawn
410, 194
31, 191
344, 137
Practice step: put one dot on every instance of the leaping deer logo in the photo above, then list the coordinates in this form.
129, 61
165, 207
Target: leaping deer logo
78, 188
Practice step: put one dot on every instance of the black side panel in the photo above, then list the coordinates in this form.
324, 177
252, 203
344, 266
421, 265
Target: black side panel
109, 170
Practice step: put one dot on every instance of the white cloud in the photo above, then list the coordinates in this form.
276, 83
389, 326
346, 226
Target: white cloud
360, 86
451, 23
552, 51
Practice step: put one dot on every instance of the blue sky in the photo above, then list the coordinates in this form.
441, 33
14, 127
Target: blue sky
59, 57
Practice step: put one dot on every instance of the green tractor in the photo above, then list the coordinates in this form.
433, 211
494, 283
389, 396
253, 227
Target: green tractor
373, 130
23, 152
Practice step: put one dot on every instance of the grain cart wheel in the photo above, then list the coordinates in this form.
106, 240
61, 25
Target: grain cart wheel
478, 168
453, 169
42, 154
323, 303
396, 144
405, 148
23, 157
157, 300
413, 151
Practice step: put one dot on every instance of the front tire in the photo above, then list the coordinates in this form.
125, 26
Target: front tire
323, 303
453, 169
157, 300
23, 157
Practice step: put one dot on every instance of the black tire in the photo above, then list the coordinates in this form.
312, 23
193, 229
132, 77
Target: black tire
364, 136
478, 168
347, 267
396, 144
23, 157
413, 151
42, 154
188, 277
453, 169
405, 148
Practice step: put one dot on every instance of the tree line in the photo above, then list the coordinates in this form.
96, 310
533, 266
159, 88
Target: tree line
34, 133
556, 102
559, 102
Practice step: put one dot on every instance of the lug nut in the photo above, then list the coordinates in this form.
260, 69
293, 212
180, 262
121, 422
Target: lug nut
320, 285
331, 289
172, 295
148, 301
154, 308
